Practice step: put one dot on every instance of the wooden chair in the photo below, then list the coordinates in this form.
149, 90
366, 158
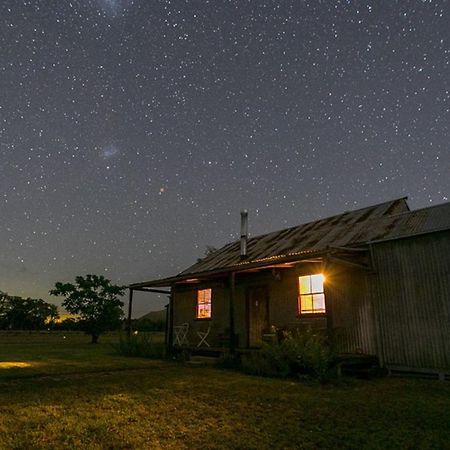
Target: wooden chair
203, 335
180, 334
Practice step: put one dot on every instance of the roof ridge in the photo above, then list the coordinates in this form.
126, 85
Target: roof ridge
411, 211
260, 236
327, 218
427, 207
381, 222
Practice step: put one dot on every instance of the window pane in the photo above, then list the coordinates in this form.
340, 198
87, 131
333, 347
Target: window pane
319, 303
306, 303
204, 303
204, 296
305, 285
204, 311
317, 283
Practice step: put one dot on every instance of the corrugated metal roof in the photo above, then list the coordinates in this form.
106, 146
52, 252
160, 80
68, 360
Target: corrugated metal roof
389, 220
314, 236
421, 221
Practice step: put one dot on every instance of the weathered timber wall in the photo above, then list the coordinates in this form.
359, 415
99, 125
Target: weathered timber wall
347, 297
412, 301
345, 292
185, 309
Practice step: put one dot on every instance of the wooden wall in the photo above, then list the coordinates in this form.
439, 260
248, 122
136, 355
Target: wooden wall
185, 308
346, 293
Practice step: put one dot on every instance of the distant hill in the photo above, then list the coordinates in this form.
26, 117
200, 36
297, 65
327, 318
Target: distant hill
155, 316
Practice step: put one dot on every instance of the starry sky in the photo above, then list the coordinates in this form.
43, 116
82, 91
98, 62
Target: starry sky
132, 132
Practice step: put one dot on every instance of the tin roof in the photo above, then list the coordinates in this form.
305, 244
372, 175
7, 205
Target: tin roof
385, 221
340, 230
412, 223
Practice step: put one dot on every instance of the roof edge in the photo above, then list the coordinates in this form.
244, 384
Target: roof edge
406, 236
239, 267
259, 236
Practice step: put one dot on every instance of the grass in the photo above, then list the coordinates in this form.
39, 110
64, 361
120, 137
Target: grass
25, 354
133, 403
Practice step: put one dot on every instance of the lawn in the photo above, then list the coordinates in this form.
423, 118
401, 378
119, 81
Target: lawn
25, 354
78, 396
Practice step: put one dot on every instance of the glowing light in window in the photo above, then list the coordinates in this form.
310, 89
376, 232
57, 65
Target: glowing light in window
204, 304
312, 297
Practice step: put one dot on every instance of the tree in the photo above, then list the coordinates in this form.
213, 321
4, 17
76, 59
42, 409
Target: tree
95, 301
17, 313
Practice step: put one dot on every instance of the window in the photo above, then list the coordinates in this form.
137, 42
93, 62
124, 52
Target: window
204, 304
312, 298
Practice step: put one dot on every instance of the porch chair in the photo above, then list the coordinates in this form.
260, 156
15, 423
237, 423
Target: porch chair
203, 335
180, 334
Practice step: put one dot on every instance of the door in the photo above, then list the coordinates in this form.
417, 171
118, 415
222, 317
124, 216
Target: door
257, 314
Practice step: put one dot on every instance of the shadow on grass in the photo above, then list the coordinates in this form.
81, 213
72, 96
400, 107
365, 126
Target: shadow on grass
170, 404
92, 398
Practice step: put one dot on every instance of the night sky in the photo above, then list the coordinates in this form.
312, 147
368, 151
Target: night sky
133, 132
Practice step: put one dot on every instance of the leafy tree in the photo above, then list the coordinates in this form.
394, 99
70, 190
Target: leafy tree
69, 324
4, 306
95, 301
17, 313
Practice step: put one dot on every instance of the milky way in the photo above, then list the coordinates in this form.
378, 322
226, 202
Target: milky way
133, 132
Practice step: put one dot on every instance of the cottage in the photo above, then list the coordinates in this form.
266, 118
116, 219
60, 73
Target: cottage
377, 280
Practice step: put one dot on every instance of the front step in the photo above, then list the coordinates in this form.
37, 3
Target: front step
361, 366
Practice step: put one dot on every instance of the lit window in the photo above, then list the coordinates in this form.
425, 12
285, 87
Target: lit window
204, 304
312, 298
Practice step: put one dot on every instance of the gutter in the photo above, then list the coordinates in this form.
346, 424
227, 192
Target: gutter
242, 266
225, 271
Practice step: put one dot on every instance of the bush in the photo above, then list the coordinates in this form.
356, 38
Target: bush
297, 354
141, 345
228, 361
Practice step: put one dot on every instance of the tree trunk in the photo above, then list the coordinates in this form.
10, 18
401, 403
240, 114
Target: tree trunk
94, 339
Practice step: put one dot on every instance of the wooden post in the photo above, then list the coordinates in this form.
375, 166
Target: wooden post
130, 310
232, 297
329, 294
374, 282
169, 337
166, 328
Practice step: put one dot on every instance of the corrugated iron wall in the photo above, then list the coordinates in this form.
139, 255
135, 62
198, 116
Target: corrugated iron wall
348, 300
412, 301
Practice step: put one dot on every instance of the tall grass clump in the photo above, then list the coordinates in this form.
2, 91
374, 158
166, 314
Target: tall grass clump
297, 354
140, 345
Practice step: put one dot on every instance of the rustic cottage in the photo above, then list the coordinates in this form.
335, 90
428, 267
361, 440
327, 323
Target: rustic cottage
377, 280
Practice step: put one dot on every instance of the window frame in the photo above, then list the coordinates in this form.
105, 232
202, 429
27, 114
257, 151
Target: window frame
313, 313
199, 303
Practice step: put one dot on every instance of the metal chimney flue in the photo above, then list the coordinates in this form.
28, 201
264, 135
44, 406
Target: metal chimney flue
244, 233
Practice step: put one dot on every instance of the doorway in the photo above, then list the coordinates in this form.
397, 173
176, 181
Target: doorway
257, 314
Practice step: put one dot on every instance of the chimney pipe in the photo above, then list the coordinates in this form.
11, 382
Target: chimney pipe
244, 233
